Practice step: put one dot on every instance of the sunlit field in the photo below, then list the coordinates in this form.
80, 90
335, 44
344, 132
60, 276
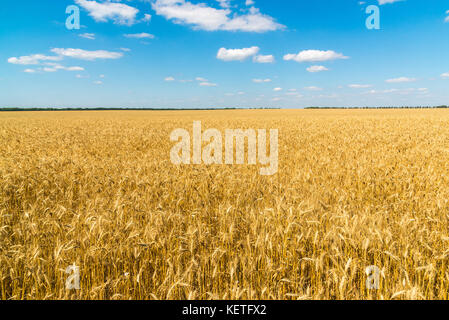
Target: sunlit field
355, 188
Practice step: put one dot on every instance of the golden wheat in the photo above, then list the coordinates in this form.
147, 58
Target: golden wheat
97, 189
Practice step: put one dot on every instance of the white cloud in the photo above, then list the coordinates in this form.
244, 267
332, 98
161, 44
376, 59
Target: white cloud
313, 88
74, 69
406, 91
46, 61
48, 69
314, 69
33, 59
277, 89
294, 94
142, 35
236, 54
359, 86
87, 55
203, 17
208, 84
90, 36
169, 79
98, 82
102, 12
263, 59
261, 80
146, 17
249, 2
125, 49
224, 3
400, 80
445, 75
447, 18
314, 56
382, 2
53, 67
201, 79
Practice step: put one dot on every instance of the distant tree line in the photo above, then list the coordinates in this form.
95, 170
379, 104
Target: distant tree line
392, 107
123, 109
206, 109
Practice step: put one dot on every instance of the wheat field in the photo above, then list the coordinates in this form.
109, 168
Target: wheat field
355, 188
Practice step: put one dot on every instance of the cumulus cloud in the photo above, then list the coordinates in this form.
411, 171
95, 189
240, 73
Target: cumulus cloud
261, 80
314, 56
86, 55
263, 59
169, 79
119, 13
224, 3
359, 86
294, 94
406, 91
203, 17
90, 36
277, 89
33, 59
313, 88
47, 69
382, 2
208, 84
51, 63
400, 80
146, 17
445, 75
53, 67
236, 54
314, 69
73, 68
142, 35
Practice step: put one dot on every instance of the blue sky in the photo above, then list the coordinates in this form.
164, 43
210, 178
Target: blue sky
223, 53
